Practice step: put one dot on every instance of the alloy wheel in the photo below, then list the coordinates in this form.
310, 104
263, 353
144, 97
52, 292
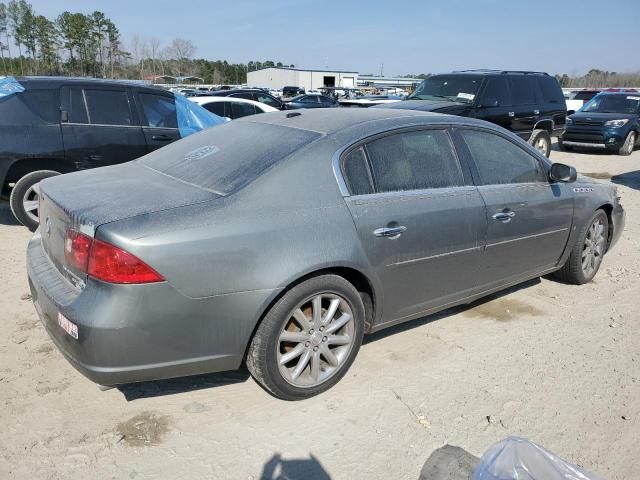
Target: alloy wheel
315, 340
542, 145
631, 142
593, 249
30, 202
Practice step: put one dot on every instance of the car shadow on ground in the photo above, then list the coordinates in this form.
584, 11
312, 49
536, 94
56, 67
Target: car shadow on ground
6, 217
448, 312
159, 388
629, 179
278, 468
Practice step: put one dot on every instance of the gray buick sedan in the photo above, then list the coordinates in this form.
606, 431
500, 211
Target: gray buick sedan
279, 240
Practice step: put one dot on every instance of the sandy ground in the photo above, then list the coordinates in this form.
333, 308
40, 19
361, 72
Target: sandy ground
555, 363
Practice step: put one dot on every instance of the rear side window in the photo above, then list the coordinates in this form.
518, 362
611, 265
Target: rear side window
551, 91
496, 93
108, 107
216, 107
356, 173
523, 90
239, 109
500, 162
226, 158
32, 107
160, 111
414, 161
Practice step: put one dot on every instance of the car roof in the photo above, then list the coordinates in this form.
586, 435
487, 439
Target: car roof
219, 99
329, 121
67, 81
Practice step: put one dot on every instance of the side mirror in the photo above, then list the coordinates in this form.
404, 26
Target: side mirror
563, 173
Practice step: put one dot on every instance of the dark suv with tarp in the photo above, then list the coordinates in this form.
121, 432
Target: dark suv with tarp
52, 125
530, 104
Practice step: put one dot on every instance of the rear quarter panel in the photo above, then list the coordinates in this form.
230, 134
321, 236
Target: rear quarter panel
287, 223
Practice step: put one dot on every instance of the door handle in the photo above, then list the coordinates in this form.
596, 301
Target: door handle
161, 138
390, 232
536, 112
504, 217
512, 114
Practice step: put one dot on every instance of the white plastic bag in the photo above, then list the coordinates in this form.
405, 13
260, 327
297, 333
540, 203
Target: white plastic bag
519, 459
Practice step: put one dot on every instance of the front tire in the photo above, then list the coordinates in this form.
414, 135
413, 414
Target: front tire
588, 251
627, 147
308, 339
541, 141
25, 196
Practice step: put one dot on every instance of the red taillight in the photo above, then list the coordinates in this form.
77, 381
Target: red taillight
76, 250
106, 262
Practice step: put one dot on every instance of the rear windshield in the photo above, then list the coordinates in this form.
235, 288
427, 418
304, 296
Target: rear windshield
224, 159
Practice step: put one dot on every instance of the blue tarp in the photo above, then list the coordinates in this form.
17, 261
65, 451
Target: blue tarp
9, 86
192, 117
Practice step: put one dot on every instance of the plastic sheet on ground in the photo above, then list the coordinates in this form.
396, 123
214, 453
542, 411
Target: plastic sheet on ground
9, 86
519, 459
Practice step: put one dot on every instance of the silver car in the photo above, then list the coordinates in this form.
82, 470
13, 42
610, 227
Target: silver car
279, 240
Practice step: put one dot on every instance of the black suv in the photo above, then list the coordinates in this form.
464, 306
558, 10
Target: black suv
256, 94
51, 125
530, 104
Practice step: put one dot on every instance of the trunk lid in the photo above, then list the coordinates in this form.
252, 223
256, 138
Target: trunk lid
85, 200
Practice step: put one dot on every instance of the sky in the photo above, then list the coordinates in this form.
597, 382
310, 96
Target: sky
389, 37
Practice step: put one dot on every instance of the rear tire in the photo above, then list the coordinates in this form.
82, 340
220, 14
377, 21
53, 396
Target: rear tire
588, 251
303, 364
541, 141
24, 198
629, 144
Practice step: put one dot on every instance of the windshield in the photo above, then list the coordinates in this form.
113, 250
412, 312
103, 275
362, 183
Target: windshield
456, 88
621, 103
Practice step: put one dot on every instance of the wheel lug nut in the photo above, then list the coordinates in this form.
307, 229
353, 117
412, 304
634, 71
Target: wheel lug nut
307, 344
315, 349
324, 339
321, 328
311, 331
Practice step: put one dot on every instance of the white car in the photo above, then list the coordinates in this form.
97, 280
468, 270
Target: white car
232, 107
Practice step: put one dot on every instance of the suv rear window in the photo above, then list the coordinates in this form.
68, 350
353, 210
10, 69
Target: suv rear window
226, 158
551, 90
31, 107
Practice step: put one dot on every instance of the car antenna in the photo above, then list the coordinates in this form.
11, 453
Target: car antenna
293, 114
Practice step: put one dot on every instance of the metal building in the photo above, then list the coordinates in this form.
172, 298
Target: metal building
276, 77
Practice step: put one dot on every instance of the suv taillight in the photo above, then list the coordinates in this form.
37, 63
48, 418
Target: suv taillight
106, 262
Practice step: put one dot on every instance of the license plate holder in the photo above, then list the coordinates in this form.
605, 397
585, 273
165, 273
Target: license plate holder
68, 326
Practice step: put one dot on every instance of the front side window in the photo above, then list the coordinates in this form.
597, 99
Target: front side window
160, 111
309, 99
108, 107
496, 93
192, 117
413, 161
501, 162
268, 100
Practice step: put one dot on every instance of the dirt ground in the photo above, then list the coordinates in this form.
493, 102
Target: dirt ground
555, 363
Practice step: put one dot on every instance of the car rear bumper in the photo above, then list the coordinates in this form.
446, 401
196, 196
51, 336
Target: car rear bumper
132, 333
